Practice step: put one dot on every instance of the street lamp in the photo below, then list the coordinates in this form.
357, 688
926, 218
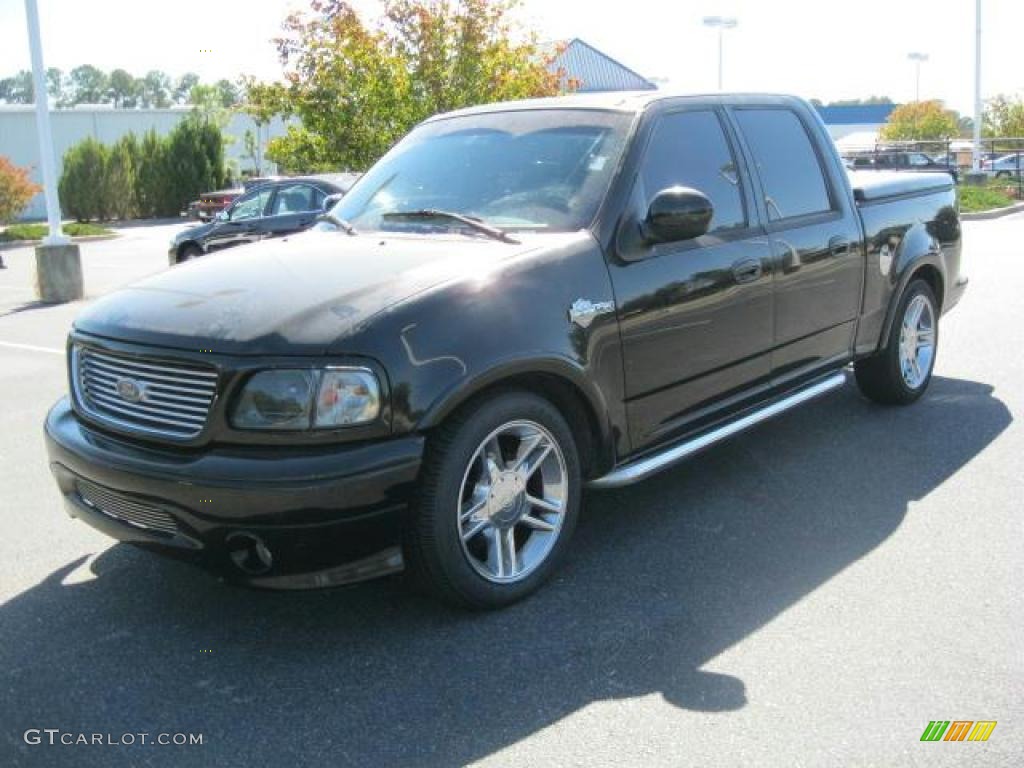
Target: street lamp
976, 154
918, 58
721, 23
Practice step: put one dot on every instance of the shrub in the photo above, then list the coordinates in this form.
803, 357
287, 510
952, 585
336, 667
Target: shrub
149, 173
82, 187
119, 178
153, 177
16, 189
39, 231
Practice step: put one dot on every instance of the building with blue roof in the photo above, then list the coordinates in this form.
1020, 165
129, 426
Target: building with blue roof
590, 71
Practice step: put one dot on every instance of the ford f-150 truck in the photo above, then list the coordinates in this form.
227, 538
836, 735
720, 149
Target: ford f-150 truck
516, 301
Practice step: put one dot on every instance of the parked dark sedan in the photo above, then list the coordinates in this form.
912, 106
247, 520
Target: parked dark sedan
268, 210
903, 161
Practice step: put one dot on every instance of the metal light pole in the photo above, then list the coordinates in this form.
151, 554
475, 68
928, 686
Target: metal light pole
58, 262
721, 23
976, 154
56, 236
918, 58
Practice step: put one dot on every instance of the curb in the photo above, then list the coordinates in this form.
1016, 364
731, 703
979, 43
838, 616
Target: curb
9, 244
993, 214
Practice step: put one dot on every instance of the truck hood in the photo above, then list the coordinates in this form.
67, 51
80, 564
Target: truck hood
295, 295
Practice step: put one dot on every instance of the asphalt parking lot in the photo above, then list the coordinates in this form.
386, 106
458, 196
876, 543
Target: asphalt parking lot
811, 593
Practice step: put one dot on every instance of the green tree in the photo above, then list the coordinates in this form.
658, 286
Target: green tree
228, 93
921, 121
89, 85
1004, 117
16, 190
123, 89
155, 90
357, 87
18, 89
55, 85
183, 87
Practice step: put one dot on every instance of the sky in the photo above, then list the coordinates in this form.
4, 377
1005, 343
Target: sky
814, 48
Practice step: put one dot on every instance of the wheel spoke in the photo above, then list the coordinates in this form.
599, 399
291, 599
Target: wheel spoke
494, 454
546, 504
916, 367
537, 523
475, 529
501, 553
474, 507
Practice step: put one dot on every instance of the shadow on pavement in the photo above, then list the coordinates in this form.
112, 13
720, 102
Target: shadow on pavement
664, 576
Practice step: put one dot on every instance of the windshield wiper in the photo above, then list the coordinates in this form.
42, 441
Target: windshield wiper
469, 221
337, 221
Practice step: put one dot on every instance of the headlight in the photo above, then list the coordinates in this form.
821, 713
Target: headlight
346, 396
308, 399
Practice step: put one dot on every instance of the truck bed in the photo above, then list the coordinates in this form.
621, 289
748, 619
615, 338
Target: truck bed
869, 186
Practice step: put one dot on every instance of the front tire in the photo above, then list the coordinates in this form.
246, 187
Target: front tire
500, 496
189, 252
900, 373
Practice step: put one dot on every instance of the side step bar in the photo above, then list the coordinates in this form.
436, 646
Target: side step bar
642, 468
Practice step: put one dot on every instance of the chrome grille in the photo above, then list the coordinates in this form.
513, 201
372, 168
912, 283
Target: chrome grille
133, 512
150, 396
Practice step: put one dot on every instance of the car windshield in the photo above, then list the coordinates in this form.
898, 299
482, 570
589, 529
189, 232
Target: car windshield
544, 170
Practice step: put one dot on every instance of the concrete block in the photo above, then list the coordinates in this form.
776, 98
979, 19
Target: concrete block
58, 273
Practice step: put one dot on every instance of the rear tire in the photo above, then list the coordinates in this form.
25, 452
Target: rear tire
499, 499
900, 373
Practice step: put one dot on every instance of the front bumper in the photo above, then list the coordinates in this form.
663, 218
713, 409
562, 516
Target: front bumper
326, 514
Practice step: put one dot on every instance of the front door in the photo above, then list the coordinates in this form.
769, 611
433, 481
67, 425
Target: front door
293, 209
695, 316
243, 222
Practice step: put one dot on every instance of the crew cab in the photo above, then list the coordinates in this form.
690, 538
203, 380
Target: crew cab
516, 301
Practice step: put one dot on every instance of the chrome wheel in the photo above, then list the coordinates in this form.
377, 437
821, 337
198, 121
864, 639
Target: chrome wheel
512, 503
917, 342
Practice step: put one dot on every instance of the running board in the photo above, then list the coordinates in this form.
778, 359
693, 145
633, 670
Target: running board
643, 468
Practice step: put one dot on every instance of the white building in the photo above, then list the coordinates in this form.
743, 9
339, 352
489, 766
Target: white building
20, 143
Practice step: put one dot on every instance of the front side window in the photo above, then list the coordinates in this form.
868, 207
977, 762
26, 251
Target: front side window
790, 172
689, 149
540, 169
251, 206
296, 198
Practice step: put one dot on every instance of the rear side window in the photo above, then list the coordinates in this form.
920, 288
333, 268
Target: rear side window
296, 198
689, 149
794, 184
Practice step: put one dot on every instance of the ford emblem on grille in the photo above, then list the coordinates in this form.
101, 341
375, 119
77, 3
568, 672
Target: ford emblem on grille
131, 390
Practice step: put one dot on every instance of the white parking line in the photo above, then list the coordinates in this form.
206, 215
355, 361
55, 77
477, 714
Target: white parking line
31, 348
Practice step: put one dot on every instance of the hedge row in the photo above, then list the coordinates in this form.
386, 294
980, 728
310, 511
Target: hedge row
154, 176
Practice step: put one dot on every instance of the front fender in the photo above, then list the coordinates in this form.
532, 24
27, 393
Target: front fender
510, 321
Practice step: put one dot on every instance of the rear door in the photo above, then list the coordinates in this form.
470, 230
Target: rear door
695, 316
816, 240
293, 209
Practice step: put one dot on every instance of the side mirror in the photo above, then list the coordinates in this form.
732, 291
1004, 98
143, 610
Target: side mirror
223, 215
677, 213
332, 200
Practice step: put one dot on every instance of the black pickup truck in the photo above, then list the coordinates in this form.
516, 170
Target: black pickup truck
516, 301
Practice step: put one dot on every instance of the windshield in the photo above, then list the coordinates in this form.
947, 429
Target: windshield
544, 170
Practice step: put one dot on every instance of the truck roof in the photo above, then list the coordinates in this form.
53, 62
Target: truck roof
618, 101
